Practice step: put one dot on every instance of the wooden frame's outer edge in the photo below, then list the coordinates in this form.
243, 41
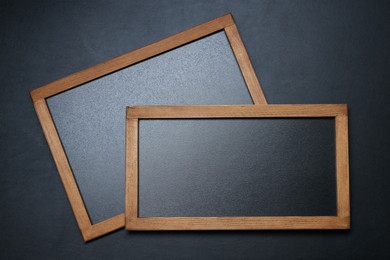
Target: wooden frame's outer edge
88, 230
342, 166
225, 111
237, 223
131, 198
338, 111
245, 64
62, 164
104, 227
132, 57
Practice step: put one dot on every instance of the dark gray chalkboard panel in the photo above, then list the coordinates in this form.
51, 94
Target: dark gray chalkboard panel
90, 119
237, 167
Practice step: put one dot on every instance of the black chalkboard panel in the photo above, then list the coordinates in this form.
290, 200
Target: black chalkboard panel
90, 119
237, 167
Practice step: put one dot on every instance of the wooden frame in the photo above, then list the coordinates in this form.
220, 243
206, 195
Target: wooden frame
340, 221
90, 231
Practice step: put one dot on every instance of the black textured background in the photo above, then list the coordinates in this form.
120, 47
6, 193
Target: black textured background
303, 52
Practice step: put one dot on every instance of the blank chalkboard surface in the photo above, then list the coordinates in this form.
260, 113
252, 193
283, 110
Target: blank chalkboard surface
90, 119
237, 167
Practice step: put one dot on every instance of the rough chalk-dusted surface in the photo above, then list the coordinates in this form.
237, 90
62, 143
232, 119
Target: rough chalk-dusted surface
237, 167
90, 119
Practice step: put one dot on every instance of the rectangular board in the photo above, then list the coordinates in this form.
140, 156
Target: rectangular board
237, 167
82, 115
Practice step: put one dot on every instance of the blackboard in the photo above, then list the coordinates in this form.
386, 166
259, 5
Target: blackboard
90, 119
237, 167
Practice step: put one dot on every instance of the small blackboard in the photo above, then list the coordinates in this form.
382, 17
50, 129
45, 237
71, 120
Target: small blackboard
82, 115
237, 167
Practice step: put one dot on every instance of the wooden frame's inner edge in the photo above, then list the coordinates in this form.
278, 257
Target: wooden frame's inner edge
248, 73
88, 230
338, 111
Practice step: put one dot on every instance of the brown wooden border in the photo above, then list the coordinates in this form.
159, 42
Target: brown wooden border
91, 231
340, 221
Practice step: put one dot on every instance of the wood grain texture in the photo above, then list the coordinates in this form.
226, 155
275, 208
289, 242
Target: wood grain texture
244, 111
342, 166
132, 57
63, 167
131, 199
338, 111
245, 65
105, 227
237, 223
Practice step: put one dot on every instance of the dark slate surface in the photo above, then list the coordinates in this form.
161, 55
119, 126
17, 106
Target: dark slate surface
90, 119
304, 52
237, 167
